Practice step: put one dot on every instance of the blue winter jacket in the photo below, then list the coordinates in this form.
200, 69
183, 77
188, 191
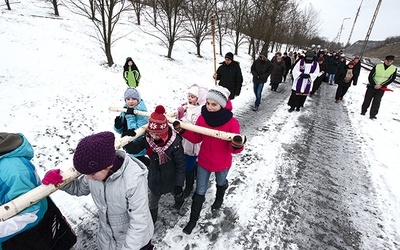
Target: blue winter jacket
18, 176
134, 122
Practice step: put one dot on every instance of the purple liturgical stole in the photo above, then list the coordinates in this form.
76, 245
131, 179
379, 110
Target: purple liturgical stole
300, 80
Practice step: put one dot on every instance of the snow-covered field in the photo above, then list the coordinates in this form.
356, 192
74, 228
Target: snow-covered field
56, 89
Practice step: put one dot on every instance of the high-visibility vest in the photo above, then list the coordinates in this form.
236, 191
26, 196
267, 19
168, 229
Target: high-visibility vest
382, 75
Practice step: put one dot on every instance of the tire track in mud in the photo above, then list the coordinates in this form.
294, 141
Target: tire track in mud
331, 204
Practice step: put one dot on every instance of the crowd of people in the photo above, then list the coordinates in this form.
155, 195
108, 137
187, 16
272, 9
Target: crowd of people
126, 185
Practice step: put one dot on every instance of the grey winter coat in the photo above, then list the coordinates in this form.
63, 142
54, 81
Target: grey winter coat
122, 199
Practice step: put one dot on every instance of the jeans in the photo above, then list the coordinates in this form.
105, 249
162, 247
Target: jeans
203, 176
331, 78
258, 88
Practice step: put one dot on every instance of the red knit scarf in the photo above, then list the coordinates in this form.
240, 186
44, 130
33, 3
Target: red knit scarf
162, 156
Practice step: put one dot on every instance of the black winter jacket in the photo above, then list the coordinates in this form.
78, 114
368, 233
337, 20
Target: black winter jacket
163, 178
261, 70
230, 77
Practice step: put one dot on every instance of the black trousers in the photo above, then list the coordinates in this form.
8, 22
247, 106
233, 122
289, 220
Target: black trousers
341, 91
374, 95
52, 233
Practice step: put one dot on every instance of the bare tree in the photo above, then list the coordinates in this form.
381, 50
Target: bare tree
168, 20
198, 14
105, 17
221, 14
138, 6
238, 7
55, 7
8, 4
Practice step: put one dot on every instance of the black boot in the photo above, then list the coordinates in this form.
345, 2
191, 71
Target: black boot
154, 213
219, 198
195, 212
189, 184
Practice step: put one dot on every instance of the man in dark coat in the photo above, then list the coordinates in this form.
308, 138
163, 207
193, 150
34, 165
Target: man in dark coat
261, 69
356, 69
230, 76
288, 65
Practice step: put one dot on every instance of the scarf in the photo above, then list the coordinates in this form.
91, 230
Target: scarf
162, 156
349, 76
215, 119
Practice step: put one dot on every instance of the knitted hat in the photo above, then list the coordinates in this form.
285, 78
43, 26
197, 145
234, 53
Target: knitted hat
94, 153
229, 55
264, 53
132, 93
194, 90
158, 123
9, 142
389, 58
219, 94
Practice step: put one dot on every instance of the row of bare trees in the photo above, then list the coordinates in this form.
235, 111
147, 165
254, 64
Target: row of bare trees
258, 24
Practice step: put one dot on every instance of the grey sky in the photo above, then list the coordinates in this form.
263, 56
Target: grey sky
332, 13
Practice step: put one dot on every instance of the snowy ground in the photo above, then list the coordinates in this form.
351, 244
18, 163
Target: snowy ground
322, 178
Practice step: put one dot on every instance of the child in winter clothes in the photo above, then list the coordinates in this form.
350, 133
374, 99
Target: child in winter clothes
131, 73
343, 80
196, 99
127, 122
118, 185
167, 160
215, 155
31, 228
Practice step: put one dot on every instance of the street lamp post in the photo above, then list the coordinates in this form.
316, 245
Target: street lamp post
341, 28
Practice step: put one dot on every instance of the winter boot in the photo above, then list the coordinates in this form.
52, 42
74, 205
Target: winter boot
154, 213
178, 201
195, 212
219, 197
189, 184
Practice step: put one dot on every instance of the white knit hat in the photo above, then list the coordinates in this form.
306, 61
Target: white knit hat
194, 90
219, 94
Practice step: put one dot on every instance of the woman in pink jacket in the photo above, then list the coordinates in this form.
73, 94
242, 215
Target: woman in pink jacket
215, 154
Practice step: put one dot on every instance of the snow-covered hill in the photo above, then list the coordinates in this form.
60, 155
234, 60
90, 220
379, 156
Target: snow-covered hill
323, 178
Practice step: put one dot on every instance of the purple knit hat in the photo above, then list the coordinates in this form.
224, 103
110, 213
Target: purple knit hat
94, 153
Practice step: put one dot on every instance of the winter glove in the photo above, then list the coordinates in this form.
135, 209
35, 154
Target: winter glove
181, 112
237, 141
302, 75
52, 177
354, 84
129, 132
177, 127
118, 122
130, 111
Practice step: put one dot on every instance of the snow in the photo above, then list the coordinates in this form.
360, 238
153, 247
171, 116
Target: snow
56, 89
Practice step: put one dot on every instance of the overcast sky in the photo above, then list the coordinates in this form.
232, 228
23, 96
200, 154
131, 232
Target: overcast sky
332, 13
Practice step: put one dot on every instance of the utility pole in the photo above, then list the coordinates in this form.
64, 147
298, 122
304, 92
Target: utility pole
354, 24
340, 31
370, 29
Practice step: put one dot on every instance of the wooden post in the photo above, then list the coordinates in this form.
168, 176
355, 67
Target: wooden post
227, 136
213, 44
18, 204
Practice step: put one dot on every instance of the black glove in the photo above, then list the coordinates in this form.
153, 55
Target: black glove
129, 111
177, 127
177, 190
118, 122
129, 132
354, 84
237, 141
305, 75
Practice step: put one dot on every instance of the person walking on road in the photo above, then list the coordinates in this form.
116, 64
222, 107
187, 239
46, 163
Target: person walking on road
230, 76
261, 69
379, 78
